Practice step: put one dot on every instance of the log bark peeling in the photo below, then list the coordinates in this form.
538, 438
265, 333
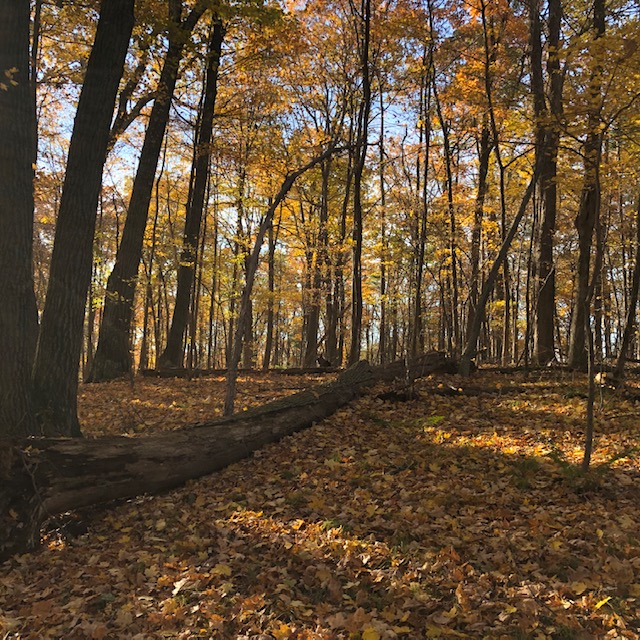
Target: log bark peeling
44, 477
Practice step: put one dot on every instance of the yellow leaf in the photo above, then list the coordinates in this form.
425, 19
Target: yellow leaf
370, 633
602, 602
222, 570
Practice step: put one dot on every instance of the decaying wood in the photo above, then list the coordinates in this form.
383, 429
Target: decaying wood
43, 477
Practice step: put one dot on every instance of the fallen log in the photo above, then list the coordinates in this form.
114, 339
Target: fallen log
44, 477
182, 372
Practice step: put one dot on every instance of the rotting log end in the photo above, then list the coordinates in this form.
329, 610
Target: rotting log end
20, 513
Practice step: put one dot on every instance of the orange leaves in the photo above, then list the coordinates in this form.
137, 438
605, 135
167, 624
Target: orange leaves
443, 517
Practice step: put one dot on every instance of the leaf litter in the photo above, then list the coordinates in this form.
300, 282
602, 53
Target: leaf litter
447, 516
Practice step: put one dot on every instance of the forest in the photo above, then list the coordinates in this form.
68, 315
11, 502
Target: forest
410, 225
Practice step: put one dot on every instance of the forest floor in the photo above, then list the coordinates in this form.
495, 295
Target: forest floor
446, 516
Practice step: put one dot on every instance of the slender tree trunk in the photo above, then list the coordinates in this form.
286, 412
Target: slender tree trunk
18, 313
268, 347
589, 206
173, 353
361, 157
547, 141
484, 152
55, 376
312, 311
113, 356
487, 288
422, 184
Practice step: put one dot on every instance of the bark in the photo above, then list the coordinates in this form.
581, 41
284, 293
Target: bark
271, 266
484, 153
589, 207
361, 157
422, 187
55, 376
113, 356
547, 141
43, 477
174, 352
452, 272
18, 314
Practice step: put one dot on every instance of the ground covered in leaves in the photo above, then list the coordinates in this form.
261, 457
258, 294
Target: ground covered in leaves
446, 516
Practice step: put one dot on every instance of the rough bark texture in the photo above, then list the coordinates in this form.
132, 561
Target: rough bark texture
55, 379
40, 478
18, 314
547, 141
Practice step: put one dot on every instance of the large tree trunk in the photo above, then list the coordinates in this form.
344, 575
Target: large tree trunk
174, 352
55, 377
113, 356
18, 314
44, 477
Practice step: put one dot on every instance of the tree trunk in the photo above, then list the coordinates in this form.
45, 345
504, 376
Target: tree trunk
43, 477
173, 353
18, 313
55, 377
589, 206
361, 157
484, 152
271, 266
113, 357
633, 303
547, 141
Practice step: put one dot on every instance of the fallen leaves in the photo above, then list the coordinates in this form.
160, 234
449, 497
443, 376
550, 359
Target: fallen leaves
443, 517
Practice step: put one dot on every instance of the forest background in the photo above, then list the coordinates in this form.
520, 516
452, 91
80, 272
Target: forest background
383, 152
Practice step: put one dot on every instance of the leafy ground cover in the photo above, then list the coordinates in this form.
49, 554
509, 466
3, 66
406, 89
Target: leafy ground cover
447, 516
